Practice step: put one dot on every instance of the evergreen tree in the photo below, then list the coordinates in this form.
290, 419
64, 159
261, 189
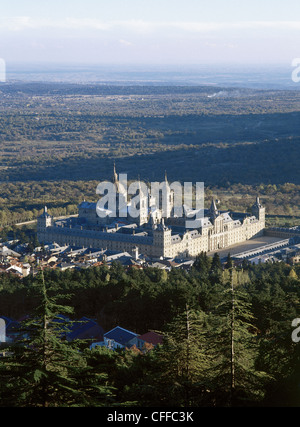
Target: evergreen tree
278, 354
182, 360
216, 270
245, 264
43, 368
234, 349
229, 262
202, 263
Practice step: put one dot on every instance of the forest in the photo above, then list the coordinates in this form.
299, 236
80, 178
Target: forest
227, 330
58, 140
74, 132
227, 337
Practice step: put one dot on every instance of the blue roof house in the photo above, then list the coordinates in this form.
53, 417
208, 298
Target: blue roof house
119, 338
84, 329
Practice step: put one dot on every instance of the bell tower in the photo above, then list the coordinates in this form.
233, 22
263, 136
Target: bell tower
259, 211
161, 238
45, 220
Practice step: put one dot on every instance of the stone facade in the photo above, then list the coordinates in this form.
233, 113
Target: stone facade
153, 234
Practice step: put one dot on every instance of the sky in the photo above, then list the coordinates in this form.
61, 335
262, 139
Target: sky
150, 31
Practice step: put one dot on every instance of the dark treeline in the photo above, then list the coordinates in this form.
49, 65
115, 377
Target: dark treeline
227, 335
59, 132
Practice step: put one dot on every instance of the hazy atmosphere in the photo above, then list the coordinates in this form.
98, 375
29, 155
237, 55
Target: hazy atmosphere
150, 32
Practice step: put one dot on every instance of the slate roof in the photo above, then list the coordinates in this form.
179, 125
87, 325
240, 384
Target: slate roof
5, 251
10, 324
120, 335
45, 213
88, 205
85, 328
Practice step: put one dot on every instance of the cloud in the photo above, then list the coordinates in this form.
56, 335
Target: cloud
22, 23
17, 23
125, 42
203, 27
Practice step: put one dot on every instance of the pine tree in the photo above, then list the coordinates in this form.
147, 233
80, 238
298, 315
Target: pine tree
229, 262
216, 269
202, 263
43, 368
234, 349
183, 359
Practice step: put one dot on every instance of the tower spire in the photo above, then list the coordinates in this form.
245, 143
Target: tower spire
213, 209
115, 175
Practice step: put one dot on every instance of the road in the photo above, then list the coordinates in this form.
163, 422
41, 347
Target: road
34, 220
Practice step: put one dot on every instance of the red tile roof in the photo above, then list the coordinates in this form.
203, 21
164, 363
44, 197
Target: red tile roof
151, 338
